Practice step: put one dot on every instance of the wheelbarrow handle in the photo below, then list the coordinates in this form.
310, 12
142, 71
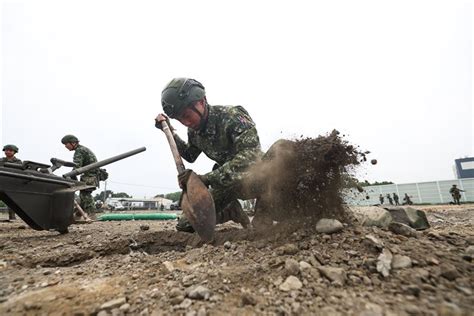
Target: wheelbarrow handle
174, 149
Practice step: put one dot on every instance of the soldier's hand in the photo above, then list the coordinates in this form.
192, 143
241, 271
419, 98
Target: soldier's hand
183, 178
162, 118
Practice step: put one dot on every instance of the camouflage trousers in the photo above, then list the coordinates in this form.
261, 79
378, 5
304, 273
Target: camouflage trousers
87, 202
227, 206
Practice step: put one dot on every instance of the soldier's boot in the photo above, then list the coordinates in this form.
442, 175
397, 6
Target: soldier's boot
184, 225
233, 212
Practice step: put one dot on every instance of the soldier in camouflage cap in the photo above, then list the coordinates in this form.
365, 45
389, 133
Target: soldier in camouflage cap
83, 156
10, 152
225, 134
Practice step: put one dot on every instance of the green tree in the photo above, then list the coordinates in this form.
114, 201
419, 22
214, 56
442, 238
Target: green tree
121, 195
175, 196
100, 196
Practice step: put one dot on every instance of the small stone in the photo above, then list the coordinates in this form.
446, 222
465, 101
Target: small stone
247, 299
288, 249
176, 300
125, 307
292, 267
291, 283
333, 274
304, 265
199, 293
401, 262
227, 245
413, 290
102, 313
144, 227
449, 271
169, 267
114, 303
373, 243
449, 309
185, 304
175, 292
384, 263
329, 226
470, 250
402, 229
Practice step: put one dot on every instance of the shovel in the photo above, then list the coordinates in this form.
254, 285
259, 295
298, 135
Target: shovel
196, 201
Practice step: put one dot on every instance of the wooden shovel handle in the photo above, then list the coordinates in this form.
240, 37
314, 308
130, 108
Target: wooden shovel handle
174, 149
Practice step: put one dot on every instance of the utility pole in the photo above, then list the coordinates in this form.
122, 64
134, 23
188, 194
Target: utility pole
105, 191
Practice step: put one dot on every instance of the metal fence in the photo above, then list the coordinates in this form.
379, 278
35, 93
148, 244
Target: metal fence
434, 192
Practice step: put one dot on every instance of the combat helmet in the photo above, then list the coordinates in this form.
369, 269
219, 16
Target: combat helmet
10, 147
69, 139
179, 94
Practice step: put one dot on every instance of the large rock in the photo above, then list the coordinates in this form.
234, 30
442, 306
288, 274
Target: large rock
371, 216
329, 226
409, 216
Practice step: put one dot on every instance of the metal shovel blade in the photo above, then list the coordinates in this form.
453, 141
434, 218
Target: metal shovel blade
198, 207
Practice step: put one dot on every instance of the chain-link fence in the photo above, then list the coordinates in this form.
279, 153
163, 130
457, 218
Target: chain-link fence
434, 192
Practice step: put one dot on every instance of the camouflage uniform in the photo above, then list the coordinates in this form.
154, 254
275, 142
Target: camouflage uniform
83, 156
456, 194
13, 160
230, 138
396, 199
11, 213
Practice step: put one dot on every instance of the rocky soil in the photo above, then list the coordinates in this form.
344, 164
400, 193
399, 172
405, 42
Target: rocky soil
147, 268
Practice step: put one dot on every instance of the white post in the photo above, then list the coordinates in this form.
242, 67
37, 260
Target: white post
439, 192
419, 194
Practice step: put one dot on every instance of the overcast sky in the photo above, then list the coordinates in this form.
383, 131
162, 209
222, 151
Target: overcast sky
394, 76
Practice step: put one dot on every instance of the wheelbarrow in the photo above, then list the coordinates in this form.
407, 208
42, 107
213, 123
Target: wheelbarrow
42, 199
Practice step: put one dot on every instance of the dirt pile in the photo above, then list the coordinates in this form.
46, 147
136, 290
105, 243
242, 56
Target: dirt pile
306, 176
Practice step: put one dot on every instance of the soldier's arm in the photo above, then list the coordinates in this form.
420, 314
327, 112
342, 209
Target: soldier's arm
186, 150
243, 133
78, 158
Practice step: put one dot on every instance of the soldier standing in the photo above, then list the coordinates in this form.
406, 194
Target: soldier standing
389, 199
456, 194
225, 134
381, 199
395, 198
10, 152
83, 156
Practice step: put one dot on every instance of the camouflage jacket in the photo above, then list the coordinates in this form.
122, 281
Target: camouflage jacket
229, 138
13, 160
83, 156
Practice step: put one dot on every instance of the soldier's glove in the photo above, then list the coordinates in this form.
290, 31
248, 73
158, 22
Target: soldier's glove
183, 178
160, 126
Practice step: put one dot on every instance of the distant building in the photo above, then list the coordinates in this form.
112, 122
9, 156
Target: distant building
464, 167
140, 204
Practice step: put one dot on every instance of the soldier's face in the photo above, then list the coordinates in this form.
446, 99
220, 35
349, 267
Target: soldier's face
69, 146
190, 118
9, 153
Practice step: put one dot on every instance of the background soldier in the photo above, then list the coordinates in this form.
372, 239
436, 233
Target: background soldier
395, 198
407, 200
381, 199
10, 152
83, 156
389, 199
226, 134
456, 194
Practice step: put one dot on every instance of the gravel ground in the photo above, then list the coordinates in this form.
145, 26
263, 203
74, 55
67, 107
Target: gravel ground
147, 268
